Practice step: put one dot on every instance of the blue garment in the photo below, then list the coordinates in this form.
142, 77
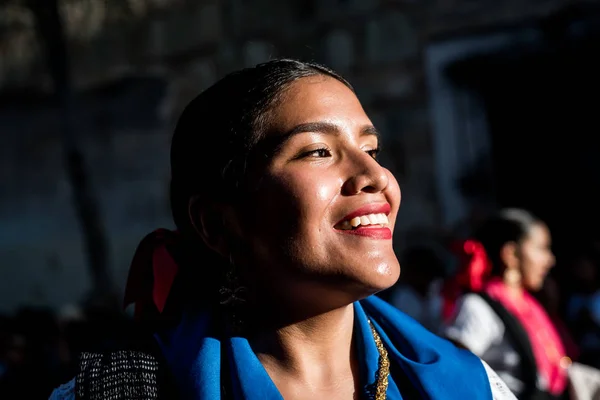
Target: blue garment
435, 367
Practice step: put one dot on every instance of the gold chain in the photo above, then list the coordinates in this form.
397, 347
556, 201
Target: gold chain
383, 370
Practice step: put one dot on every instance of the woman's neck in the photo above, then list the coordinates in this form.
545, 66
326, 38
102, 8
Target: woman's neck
515, 290
511, 291
316, 352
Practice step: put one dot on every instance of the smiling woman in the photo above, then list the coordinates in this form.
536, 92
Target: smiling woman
285, 222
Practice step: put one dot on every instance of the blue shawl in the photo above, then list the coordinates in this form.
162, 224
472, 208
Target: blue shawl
435, 367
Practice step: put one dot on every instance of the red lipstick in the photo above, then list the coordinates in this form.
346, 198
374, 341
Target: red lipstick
371, 231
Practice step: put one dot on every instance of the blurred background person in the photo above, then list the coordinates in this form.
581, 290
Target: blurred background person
503, 323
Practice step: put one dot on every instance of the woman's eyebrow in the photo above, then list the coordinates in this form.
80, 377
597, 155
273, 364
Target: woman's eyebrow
325, 127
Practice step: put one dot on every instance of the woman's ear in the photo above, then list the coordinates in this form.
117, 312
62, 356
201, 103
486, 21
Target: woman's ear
509, 254
208, 219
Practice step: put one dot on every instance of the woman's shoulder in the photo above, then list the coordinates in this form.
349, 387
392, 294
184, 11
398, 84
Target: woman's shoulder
474, 302
119, 367
65, 391
456, 363
475, 325
113, 371
475, 307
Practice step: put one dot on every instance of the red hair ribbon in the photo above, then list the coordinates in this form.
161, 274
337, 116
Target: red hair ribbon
472, 275
152, 273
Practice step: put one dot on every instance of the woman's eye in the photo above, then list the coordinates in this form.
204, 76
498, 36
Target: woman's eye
373, 153
318, 153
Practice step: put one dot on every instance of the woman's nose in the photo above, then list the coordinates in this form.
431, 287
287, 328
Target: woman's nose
365, 175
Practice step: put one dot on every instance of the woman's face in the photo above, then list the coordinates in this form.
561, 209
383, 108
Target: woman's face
323, 209
536, 257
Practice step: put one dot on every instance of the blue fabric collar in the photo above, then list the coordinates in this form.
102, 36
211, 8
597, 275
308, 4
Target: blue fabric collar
435, 367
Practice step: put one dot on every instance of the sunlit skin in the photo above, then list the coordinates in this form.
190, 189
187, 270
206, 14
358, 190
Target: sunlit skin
306, 272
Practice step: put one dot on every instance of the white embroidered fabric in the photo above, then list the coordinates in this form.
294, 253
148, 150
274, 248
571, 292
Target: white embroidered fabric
499, 389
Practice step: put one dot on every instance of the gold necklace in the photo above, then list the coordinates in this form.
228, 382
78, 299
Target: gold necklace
383, 370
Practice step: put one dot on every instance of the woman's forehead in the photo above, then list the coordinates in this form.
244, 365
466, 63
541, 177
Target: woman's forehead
318, 99
539, 232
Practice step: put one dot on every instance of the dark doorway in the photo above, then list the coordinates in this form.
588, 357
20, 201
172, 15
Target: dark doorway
543, 111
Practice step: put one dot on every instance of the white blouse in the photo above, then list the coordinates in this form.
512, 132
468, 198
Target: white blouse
480, 329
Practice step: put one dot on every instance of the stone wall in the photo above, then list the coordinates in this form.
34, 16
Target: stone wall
378, 45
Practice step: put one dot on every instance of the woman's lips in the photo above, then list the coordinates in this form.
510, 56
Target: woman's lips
369, 221
372, 232
372, 208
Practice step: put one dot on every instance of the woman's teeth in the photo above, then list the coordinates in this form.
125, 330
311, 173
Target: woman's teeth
370, 219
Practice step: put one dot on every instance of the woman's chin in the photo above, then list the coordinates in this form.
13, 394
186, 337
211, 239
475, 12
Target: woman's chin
381, 278
534, 286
